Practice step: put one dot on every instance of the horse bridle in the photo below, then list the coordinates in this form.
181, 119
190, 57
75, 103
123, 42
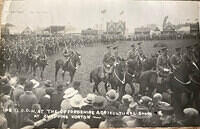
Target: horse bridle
72, 64
124, 78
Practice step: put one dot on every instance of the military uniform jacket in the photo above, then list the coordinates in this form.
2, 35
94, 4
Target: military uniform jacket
163, 63
175, 60
131, 55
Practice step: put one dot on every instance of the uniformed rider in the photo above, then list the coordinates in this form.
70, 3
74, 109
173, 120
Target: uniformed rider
132, 54
67, 53
108, 62
163, 65
116, 55
176, 58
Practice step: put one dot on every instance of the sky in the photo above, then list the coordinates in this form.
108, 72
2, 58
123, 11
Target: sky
83, 14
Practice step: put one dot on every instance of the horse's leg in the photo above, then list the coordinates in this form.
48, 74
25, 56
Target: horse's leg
56, 72
63, 74
72, 76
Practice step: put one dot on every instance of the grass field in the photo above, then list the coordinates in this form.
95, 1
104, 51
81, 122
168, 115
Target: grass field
92, 57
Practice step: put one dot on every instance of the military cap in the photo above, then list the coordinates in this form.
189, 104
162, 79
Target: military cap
115, 47
164, 48
133, 45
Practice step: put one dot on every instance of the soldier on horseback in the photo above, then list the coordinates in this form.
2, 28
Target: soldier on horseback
116, 55
132, 54
43, 56
176, 59
107, 64
141, 55
67, 53
163, 67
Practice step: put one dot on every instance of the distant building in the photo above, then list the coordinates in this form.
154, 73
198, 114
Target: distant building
27, 31
116, 27
194, 29
55, 29
169, 32
89, 31
142, 33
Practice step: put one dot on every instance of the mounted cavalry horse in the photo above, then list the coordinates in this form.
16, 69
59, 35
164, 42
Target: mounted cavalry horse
185, 84
71, 66
123, 73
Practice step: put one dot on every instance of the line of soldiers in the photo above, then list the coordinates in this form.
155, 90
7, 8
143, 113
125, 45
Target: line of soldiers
164, 64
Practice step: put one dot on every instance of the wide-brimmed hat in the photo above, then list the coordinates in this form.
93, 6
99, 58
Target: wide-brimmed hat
70, 92
127, 98
191, 112
99, 102
76, 101
47, 83
35, 83
164, 48
144, 100
112, 95
90, 98
157, 96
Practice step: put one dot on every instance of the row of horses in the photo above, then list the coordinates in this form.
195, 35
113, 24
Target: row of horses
183, 84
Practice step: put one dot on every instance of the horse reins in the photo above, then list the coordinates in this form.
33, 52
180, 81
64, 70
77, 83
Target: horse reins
124, 78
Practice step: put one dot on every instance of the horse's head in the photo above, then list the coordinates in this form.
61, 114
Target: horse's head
77, 57
132, 65
122, 66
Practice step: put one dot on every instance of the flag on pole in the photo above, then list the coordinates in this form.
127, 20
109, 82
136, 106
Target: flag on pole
122, 12
103, 11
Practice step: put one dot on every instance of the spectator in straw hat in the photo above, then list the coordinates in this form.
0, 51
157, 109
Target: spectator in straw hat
157, 102
191, 117
68, 94
88, 102
76, 103
112, 97
80, 124
126, 100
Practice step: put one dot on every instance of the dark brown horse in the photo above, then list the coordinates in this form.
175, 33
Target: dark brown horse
182, 86
70, 66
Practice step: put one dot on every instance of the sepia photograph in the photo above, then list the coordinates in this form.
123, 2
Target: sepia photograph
99, 64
